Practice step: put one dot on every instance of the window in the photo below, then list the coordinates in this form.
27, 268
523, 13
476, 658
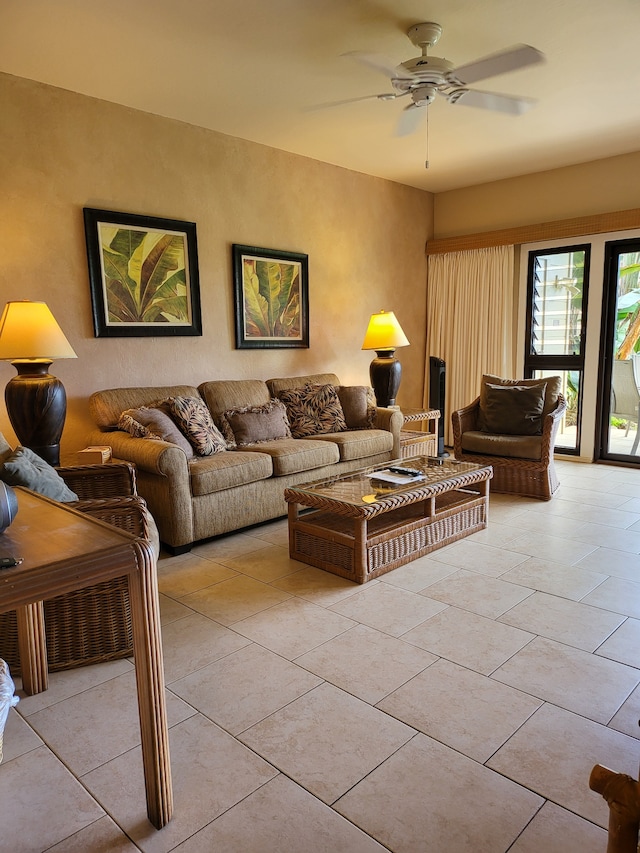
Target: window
557, 283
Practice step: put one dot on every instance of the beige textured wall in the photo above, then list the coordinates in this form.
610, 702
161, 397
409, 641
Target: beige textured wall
61, 152
601, 186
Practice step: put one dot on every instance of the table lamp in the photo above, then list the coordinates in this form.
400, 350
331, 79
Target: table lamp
384, 335
31, 339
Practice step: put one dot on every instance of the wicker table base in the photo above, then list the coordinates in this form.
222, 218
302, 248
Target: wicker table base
360, 536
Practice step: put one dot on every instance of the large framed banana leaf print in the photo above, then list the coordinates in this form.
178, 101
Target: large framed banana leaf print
271, 298
143, 273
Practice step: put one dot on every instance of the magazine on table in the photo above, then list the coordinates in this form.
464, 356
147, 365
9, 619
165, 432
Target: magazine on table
398, 476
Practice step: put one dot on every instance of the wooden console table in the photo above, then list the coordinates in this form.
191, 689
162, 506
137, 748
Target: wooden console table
65, 550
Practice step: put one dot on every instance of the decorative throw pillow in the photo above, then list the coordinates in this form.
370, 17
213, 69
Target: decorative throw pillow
153, 423
553, 390
25, 468
358, 404
313, 410
514, 409
194, 420
255, 424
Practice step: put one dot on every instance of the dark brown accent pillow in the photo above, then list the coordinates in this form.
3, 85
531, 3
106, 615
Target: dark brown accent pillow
155, 423
553, 383
313, 410
358, 405
256, 424
514, 409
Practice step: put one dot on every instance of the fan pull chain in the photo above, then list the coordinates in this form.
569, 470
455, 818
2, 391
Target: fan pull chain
426, 162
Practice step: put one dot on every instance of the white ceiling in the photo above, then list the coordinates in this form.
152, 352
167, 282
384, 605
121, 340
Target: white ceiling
256, 69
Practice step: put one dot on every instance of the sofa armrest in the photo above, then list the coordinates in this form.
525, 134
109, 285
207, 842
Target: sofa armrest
163, 481
391, 420
155, 457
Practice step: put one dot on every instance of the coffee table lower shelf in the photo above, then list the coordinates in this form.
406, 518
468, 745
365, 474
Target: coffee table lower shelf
361, 549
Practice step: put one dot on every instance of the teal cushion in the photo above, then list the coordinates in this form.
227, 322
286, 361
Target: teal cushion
25, 468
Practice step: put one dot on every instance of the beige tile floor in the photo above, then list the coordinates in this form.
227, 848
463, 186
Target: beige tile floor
455, 704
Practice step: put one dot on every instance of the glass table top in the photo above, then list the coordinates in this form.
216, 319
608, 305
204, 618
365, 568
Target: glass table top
379, 481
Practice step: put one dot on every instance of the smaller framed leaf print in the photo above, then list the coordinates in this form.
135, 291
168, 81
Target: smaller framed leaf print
271, 298
143, 273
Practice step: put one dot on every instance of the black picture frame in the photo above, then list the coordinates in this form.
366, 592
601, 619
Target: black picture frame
271, 289
143, 275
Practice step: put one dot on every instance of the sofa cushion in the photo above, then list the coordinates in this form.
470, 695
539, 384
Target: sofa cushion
153, 423
512, 446
194, 419
222, 471
358, 404
222, 395
106, 406
552, 392
25, 468
255, 424
292, 455
514, 409
276, 386
313, 410
360, 443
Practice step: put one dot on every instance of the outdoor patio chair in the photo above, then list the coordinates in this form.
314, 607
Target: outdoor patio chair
625, 397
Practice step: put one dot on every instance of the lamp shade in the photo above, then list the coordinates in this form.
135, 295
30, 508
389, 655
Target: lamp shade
29, 332
384, 332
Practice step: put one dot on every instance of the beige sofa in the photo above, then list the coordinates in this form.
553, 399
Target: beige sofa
205, 496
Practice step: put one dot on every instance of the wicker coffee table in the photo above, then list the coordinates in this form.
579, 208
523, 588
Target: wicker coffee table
360, 527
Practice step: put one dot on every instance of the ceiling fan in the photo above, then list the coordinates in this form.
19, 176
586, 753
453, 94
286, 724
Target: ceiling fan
425, 77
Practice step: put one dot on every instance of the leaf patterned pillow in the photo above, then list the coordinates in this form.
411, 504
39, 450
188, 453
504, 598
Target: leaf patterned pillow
194, 419
313, 410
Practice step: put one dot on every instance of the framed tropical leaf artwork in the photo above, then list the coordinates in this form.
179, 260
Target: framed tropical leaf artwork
271, 298
143, 273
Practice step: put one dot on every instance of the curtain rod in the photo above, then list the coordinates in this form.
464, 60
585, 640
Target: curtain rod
598, 223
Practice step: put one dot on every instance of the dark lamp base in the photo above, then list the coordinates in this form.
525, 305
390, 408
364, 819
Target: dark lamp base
37, 408
385, 373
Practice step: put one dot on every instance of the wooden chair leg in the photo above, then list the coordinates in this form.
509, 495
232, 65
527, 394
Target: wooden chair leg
622, 794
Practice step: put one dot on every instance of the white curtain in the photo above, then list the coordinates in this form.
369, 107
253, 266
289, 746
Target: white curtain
470, 319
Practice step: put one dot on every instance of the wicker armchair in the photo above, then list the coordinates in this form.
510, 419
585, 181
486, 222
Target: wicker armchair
522, 465
90, 625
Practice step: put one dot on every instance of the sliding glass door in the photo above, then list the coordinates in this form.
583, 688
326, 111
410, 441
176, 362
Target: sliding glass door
620, 364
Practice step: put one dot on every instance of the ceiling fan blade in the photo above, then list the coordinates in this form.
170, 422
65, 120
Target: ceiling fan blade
491, 101
384, 96
511, 59
410, 119
380, 63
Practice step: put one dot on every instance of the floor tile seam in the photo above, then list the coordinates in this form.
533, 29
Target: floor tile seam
559, 539
468, 608
610, 609
27, 714
558, 594
623, 618
556, 704
571, 648
272, 763
332, 804
606, 639
244, 648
